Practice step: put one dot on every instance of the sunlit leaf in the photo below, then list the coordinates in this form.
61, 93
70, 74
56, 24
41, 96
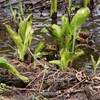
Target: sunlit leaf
44, 30
53, 6
79, 18
65, 26
23, 38
95, 64
56, 62
14, 36
22, 29
78, 52
6, 65
69, 6
28, 33
66, 58
56, 31
39, 47
93, 61
86, 3
98, 62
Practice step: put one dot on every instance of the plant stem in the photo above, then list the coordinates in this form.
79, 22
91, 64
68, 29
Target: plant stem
53, 11
74, 40
69, 9
21, 8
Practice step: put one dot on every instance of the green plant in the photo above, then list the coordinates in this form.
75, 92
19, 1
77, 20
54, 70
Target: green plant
86, 2
66, 58
23, 37
69, 9
66, 35
38, 52
95, 63
53, 7
21, 9
18, 13
6, 65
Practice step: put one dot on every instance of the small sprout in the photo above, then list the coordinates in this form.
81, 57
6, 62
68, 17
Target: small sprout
38, 50
95, 64
44, 30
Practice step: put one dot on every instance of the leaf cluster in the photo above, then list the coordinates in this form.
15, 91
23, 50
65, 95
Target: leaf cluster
66, 35
23, 37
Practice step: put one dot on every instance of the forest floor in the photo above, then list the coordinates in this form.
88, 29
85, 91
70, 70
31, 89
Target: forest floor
49, 83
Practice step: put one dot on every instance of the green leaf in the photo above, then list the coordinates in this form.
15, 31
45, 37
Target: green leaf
66, 58
39, 47
15, 37
69, 6
98, 62
56, 31
44, 30
6, 65
23, 38
28, 33
77, 53
65, 26
53, 7
56, 62
18, 42
79, 18
27, 38
93, 61
95, 64
22, 29
86, 3
68, 42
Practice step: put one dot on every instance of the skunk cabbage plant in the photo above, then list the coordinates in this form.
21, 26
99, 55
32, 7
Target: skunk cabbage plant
66, 35
23, 37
